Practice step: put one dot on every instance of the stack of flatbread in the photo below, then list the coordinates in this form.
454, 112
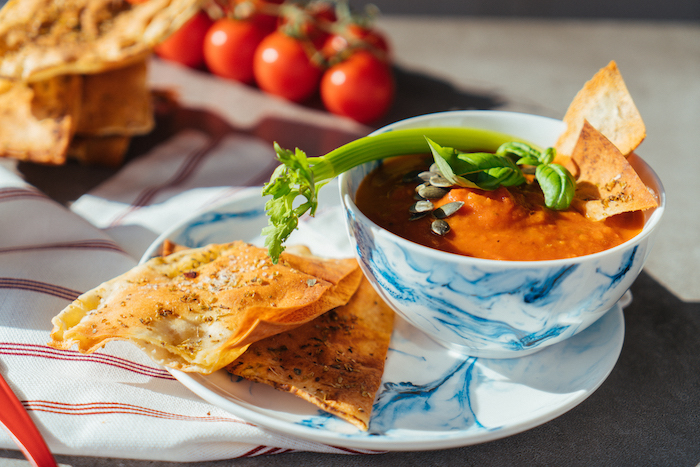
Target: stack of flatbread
310, 326
73, 76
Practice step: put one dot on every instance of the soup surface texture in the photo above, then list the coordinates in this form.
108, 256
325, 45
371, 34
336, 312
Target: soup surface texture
504, 224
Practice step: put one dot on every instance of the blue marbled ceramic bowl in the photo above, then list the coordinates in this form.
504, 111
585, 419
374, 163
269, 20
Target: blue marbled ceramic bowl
488, 308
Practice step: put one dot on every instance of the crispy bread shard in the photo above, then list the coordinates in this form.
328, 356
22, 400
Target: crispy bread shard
116, 102
197, 310
37, 121
87, 117
335, 362
40, 39
607, 184
106, 151
607, 105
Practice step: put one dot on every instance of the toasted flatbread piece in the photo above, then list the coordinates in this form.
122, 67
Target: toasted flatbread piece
335, 362
116, 102
197, 310
607, 105
40, 39
607, 184
38, 120
169, 247
106, 151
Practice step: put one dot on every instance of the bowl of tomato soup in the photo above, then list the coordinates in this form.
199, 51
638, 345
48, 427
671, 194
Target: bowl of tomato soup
490, 274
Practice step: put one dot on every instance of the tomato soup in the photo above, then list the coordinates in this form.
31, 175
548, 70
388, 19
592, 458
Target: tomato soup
504, 224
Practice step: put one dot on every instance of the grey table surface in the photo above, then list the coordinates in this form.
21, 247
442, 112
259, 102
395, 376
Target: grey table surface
647, 411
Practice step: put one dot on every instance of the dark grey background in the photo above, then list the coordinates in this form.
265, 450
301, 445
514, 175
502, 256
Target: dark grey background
675, 10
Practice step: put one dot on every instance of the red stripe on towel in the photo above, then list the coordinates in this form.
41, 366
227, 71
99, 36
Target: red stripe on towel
40, 287
93, 244
42, 351
191, 162
102, 408
12, 194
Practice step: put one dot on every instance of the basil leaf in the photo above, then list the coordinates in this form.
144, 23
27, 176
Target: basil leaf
558, 185
495, 177
528, 161
497, 171
522, 151
476, 169
444, 158
548, 156
473, 162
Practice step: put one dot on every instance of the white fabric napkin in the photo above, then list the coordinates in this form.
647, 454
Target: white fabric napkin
117, 402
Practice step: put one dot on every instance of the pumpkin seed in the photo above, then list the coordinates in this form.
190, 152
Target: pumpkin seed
440, 227
425, 175
448, 209
411, 176
421, 206
439, 181
417, 215
431, 192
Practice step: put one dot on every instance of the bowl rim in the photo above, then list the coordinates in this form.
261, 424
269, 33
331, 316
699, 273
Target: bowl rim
652, 218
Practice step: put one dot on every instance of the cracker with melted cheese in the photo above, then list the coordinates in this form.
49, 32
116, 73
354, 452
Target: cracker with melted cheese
198, 310
336, 361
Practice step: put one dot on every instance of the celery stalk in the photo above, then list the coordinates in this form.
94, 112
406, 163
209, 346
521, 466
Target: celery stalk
402, 142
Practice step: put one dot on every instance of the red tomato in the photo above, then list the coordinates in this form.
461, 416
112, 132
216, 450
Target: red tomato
372, 37
307, 21
263, 12
361, 87
283, 68
185, 45
355, 36
322, 11
229, 48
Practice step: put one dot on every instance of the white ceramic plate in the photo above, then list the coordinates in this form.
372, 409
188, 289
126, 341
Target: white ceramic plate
430, 398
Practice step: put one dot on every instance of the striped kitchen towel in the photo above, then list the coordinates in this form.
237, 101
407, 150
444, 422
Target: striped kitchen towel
117, 402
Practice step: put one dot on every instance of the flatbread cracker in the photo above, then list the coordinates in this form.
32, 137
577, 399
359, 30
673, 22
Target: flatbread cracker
607, 184
336, 361
105, 151
197, 310
40, 39
37, 120
116, 102
607, 105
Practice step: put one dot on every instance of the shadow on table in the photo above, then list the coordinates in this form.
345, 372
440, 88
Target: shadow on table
68, 182
417, 94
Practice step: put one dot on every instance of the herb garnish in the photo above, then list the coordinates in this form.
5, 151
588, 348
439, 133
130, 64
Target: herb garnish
489, 171
302, 176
